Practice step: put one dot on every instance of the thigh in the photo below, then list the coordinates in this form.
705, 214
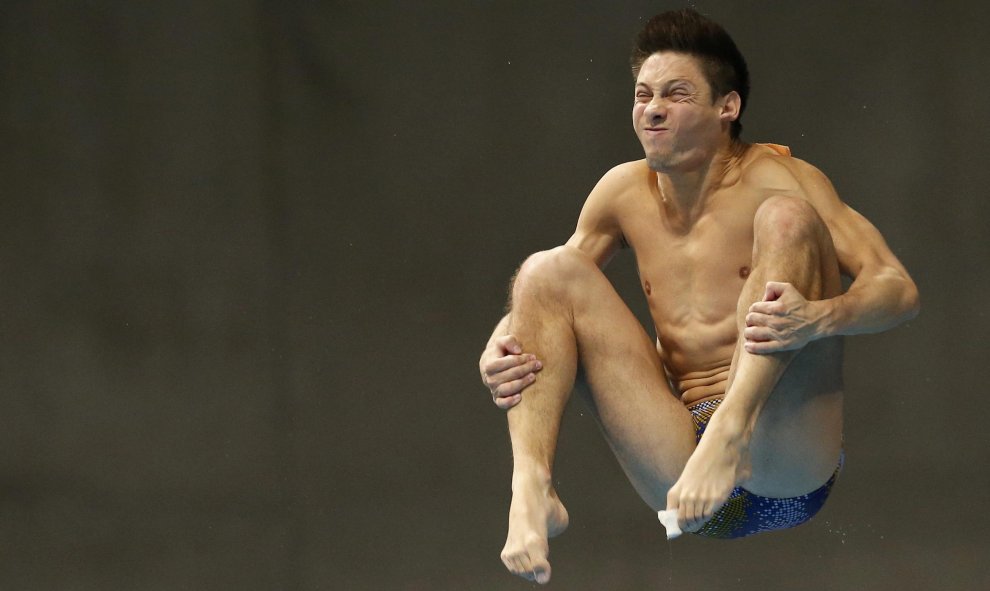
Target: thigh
798, 437
647, 427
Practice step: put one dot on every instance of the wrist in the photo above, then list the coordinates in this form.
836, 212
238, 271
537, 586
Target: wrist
828, 323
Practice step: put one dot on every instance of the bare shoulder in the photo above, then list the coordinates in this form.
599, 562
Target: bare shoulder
599, 231
766, 169
625, 176
619, 187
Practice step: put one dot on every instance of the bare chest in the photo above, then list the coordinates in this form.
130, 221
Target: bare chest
692, 278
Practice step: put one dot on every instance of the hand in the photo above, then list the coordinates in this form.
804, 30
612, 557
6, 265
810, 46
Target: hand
783, 321
506, 371
708, 478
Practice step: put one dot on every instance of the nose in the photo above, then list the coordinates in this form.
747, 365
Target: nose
656, 109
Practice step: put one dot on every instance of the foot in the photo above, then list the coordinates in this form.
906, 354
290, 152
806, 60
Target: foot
712, 471
535, 516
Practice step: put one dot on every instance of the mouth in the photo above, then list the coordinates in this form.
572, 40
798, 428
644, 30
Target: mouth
655, 129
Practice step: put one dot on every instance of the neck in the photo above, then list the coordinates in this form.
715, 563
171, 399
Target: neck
684, 192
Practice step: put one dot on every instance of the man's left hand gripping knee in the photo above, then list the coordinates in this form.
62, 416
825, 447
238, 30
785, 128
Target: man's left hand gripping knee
784, 320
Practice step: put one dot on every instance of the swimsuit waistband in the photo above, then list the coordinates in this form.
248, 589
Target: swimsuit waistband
705, 399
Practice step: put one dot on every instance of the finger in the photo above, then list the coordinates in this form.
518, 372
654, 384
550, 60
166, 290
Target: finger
509, 343
766, 308
754, 318
764, 347
758, 333
508, 402
514, 387
515, 373
501, 364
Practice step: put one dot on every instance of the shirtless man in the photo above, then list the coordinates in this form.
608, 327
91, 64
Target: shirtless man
740, 248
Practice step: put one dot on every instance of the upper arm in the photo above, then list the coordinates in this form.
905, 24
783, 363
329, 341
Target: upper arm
598, 233
858, 243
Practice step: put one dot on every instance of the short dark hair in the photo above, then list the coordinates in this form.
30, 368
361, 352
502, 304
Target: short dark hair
686, 31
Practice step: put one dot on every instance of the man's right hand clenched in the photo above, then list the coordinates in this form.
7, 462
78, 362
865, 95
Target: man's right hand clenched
506, 371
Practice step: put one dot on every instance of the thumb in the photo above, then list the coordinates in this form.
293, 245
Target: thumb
773, 291
511, 345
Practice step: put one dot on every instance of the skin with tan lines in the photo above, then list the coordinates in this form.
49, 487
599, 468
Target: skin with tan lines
740, 251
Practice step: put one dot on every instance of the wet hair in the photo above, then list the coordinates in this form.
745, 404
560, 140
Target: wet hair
686, 31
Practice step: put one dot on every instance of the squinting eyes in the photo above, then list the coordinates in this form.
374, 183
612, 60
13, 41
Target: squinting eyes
677, 94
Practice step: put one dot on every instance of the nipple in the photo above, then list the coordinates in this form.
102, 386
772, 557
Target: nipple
647, 287
744, 272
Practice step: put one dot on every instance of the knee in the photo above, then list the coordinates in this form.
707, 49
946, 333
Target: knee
787, 219
558, 270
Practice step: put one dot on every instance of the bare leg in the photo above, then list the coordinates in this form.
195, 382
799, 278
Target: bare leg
790, 245
791, 448
798, 436
564, 310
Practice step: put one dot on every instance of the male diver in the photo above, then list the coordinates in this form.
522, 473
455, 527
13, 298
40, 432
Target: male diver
740, 249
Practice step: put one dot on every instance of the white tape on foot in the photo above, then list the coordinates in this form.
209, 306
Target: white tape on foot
669, 521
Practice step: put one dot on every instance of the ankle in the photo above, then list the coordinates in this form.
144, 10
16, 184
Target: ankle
530, 474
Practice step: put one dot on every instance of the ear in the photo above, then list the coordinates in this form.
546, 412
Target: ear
731, 105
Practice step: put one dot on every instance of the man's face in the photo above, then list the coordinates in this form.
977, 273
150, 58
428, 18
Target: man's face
673, 114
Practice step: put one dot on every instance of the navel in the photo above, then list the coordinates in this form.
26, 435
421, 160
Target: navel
744, 272
647, 287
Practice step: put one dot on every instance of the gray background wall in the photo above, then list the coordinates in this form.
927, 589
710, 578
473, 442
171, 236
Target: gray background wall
250, 252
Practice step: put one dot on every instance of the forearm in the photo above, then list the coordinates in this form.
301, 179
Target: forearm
875, 302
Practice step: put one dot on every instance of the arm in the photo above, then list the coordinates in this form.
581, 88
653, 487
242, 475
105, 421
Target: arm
884, 297
881, 296
505, 370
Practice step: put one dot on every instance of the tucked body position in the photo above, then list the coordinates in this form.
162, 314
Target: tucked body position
731, 419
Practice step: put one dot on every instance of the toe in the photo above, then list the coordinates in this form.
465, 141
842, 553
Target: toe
539, 566
541, 573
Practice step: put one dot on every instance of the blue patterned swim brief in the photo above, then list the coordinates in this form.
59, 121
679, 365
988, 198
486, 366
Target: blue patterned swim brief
745, 514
